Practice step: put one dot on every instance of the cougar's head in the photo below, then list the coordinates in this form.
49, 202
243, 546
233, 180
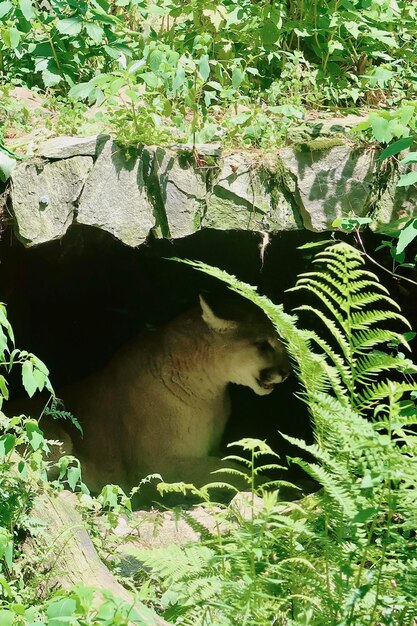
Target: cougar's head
250, 352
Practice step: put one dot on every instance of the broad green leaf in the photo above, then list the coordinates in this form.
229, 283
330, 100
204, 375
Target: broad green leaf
5, 7
155, 59
29, 382
335, 45
6, 587
179, 78
407, 234
26, 7
7, 165
380, 77
380, 129
94, 31
269, 33
40, 365
358, 128
204, 67
14, 35
353, 28
411, 157
383, 36
215, 85
51, 75
22, 468
406, 113
7, 443
112, 52
35, 435
73, 476
396, 147
58, 609
407, 179
150, 79
136, 65
81, 91
6, 617
237, 77
69, 26
40, 378
287, 110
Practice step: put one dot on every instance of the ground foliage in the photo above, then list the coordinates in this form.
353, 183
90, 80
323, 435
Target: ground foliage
237, 70
347, 554
343, 556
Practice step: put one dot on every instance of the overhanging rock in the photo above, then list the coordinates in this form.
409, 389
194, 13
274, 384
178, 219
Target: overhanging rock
115, 197
44, 197
176, 191
330, 183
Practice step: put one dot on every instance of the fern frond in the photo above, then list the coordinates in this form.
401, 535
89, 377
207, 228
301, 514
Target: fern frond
363, 299
321, 454
373, 394
174, 563
335, 312
342, 373
205, 533
335, 331
364, 319
325, 283
359, 285
334, 488
370, 365
369, 338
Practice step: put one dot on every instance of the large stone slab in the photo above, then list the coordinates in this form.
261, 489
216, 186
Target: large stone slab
44, 197
66, 147
115, 198
393, 202
329, 183
245, 196
178, 191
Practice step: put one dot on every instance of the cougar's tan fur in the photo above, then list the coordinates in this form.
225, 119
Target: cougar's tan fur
162, 403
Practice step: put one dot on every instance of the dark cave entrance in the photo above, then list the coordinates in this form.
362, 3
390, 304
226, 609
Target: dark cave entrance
74, 302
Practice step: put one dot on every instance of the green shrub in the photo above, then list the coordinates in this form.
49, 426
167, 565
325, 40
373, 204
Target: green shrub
347, 554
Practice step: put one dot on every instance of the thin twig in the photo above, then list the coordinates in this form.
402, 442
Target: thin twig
370, 258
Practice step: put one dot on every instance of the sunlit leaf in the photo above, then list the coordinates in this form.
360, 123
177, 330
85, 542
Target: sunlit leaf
397, 147
237, 77
7, 165
26, 6
407, 234
407, 179
95, 32
204, 67
411, 157
69, 26
5, 7
29, 382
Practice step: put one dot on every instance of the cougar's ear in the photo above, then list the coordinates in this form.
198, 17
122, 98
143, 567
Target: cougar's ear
215, 323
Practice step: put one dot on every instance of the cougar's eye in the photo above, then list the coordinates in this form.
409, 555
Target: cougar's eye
264, 346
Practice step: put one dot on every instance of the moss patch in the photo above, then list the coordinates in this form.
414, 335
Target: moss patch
320, 143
